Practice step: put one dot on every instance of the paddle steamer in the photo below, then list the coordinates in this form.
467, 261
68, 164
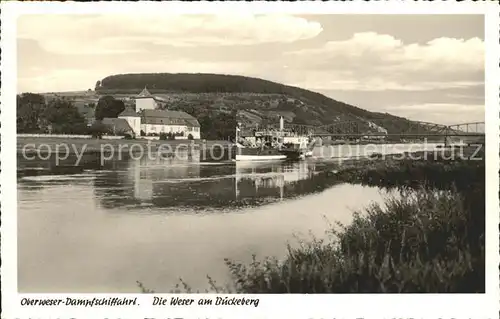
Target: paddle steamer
270, 144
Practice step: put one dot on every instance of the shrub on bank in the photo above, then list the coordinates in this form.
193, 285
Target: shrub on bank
422, 241
465, 175
426, 240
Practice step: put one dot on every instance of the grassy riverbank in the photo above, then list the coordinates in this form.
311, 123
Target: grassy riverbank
421, 242
429, 238
92, 145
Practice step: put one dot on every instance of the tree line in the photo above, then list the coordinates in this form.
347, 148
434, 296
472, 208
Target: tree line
37, 115
56, 116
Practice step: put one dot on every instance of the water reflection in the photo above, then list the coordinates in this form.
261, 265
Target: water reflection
177, 182
172, 183
198, 185
99, 228
269, 179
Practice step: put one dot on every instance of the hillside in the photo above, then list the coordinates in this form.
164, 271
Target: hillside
255, 100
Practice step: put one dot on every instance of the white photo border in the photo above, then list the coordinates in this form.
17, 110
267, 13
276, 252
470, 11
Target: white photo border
275, 306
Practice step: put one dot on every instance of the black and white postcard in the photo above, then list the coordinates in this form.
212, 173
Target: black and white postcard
217, 160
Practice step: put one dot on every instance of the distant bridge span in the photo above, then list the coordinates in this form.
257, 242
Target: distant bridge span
388, 127
391, 128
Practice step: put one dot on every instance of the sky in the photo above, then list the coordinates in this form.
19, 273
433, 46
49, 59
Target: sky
423, 67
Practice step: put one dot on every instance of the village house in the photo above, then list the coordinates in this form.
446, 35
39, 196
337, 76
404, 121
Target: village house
148, 120
165, 121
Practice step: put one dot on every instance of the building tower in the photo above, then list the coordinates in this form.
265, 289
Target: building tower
145, 101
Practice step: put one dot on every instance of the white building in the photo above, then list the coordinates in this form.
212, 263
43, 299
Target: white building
153, 122
146, 101
164, 121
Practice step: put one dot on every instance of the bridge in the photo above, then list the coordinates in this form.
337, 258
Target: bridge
392, 129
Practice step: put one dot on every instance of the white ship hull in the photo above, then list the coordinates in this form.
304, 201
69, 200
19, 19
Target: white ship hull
259, 157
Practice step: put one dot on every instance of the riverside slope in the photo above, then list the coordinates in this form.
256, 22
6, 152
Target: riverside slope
255, 100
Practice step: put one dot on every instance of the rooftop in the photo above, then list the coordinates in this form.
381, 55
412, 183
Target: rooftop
117, 125
168, 117
145, 93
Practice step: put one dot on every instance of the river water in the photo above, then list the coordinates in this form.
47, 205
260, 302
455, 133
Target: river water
93, 228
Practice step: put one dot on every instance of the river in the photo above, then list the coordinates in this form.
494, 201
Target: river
92, 228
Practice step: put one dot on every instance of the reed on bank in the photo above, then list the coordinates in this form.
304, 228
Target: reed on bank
422, 241
428, 238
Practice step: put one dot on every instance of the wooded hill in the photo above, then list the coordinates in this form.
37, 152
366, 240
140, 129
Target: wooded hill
255, 100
